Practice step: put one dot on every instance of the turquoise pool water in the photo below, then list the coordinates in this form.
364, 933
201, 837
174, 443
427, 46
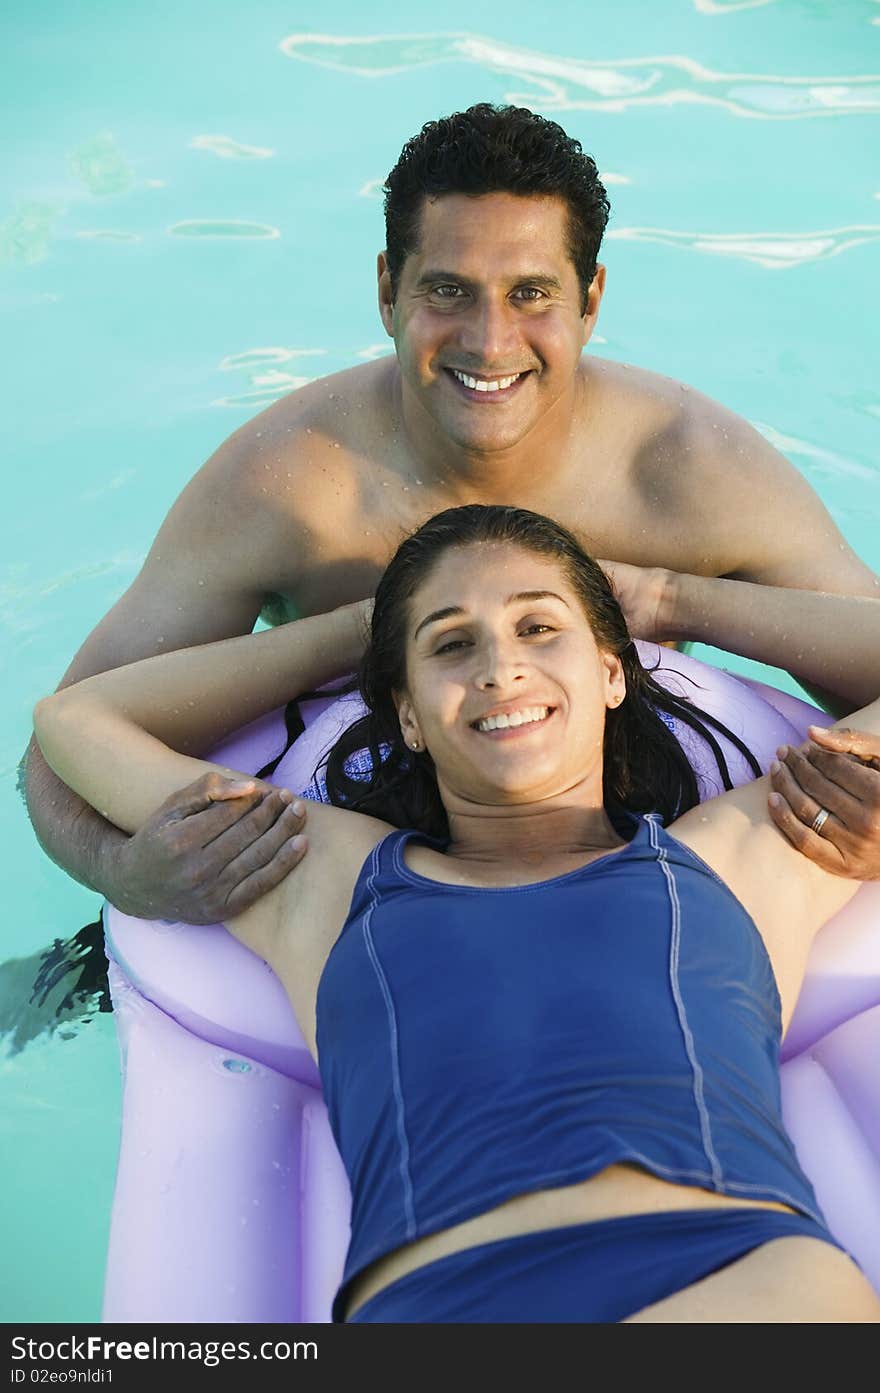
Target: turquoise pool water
188, 227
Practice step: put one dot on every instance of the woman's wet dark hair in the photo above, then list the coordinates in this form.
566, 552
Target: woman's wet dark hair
645, 768
495, 149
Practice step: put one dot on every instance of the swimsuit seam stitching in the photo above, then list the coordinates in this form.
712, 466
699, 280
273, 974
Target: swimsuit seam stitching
690, 1047
394, 1043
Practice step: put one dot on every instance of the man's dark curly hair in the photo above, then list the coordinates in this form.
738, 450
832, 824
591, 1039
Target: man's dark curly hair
495, 149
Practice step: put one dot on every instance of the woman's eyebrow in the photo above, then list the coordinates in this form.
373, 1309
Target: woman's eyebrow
438, 615
537, 595
450, 610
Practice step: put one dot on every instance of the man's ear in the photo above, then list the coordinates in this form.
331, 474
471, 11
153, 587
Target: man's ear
386, 298
594, 297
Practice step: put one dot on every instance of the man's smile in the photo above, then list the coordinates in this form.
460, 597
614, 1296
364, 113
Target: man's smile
483, 387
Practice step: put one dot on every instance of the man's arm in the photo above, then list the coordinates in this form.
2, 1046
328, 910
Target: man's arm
767, 525
216, 556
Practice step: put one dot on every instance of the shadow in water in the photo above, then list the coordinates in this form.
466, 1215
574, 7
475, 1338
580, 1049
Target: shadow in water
55, 991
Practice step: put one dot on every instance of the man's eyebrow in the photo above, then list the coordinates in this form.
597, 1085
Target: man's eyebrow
450, 610
437, 276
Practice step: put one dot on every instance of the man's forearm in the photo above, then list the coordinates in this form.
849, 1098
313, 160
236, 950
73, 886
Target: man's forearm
77, 838
827, 642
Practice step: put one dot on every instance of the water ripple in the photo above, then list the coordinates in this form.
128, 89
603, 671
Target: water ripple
25, 236
821, 462
229, 149
230, 227
776, 250
267, 382
110, 234
557, 82
713, 7
258, 357
101, 166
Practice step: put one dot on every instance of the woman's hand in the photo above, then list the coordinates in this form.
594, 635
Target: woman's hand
837, 771
641, 592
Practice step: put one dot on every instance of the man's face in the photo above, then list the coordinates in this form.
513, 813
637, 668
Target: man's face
488, 321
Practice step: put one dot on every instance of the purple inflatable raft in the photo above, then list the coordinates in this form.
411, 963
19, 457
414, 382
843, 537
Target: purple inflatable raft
231, 1202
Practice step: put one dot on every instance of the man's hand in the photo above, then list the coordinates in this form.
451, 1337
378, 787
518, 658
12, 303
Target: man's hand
210, 851
838, 771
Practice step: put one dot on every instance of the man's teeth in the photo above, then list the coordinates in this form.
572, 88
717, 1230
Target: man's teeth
480, 384
514, 718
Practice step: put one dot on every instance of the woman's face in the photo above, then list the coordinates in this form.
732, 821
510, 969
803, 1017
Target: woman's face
506, 687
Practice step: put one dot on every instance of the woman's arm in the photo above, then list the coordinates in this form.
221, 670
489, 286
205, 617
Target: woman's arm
125, 740
110, 737
827, 641
831, 641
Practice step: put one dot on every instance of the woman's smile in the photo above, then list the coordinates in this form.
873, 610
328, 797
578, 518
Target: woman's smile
513, 720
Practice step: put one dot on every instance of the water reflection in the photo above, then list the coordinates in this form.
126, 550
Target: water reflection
558, 82
101, 166
772, 249
227, 227
229, 149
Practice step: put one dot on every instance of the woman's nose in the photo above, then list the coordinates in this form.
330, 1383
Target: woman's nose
499, 668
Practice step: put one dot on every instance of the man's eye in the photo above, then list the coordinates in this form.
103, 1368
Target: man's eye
447, 292
530, 293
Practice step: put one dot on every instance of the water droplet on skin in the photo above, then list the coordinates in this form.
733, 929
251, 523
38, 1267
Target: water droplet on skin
237, 1066
336, 445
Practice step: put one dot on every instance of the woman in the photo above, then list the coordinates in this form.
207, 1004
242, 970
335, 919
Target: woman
547, 1025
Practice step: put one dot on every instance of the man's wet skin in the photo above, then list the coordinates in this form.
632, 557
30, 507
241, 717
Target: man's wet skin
300, 510
644, 470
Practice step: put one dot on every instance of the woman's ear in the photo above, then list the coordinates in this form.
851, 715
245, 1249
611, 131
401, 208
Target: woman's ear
409, 726
615, 680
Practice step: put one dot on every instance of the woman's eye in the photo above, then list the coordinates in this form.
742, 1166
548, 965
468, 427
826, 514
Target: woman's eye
538, 629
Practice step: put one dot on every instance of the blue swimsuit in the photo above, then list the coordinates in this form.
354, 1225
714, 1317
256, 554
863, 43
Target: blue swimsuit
476, 1044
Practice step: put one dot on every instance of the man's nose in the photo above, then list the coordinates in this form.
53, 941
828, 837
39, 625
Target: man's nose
490, 333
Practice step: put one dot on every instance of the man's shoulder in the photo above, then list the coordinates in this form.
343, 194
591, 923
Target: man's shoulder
672, 425
319, 435
652, 400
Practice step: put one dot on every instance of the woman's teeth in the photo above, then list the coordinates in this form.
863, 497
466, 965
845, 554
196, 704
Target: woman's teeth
513, 718
482, 384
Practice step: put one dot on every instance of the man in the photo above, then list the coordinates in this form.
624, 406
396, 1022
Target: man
490, 288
